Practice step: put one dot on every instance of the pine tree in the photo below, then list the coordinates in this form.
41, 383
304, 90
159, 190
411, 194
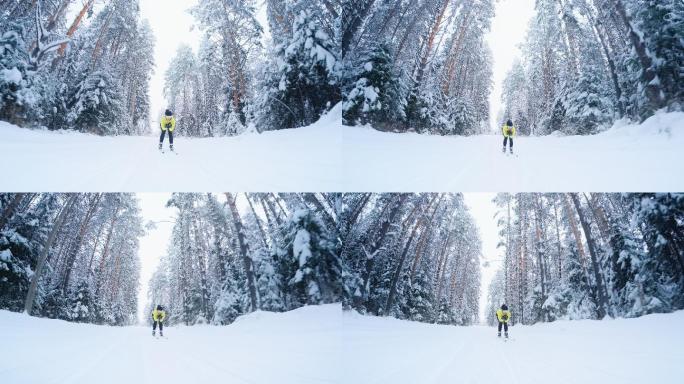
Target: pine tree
96, 104
376, 97
309, 262
304, 83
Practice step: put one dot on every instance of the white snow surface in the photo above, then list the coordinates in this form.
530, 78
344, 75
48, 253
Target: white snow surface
299, 347
293, 160
624, 351
625, 158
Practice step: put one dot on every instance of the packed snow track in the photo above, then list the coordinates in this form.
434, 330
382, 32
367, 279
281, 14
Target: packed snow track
290, 160
624, 351
626, 158
297, 347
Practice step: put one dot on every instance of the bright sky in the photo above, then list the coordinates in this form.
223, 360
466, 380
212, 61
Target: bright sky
483, 210
509, 28
172, 26
155, 243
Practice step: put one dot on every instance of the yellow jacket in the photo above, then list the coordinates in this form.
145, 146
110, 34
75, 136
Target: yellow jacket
158, 315
165, 120
508, 131
503, 316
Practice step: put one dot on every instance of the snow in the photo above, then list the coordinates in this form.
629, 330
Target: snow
11, 76
624, 351
292, 160
6, 255
625, 158
301, 246
299, 347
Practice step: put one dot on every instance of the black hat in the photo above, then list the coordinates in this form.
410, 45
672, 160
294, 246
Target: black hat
160, 308
168, 113
504, 307
509, 123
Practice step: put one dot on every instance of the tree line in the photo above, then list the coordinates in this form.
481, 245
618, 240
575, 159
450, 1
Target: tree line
232, 254
588, 63
70, 256
417, 65
89, 72
411, 256
588, 256
235, 80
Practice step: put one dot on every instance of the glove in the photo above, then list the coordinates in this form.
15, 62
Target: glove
168, 125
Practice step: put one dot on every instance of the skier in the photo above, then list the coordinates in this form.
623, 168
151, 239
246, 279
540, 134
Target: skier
158, 316
504, 316
167, 123
508, 132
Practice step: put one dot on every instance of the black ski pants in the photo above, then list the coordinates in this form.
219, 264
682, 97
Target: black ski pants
506, 138
154, 326
505, 326
161, 138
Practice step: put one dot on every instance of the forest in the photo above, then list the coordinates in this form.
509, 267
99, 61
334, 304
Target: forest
411, 256
588, 63
75, 256
424, 65
90, 72
417, 65
589, 256
233, 254
70, 256
235, 79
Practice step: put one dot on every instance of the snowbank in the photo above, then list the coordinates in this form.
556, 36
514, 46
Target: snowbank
625, 351
292, 160
626, 158
301, 346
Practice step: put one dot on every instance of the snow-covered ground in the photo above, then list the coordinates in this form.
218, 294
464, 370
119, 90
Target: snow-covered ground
297, 347
625, 351
626, 158
327, 157
293, 160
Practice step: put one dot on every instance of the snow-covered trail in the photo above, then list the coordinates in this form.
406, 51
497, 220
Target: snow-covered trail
625, 351
293, 160
301, 346
622, 159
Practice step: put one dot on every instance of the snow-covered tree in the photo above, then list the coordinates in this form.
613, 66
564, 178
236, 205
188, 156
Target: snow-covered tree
89, 273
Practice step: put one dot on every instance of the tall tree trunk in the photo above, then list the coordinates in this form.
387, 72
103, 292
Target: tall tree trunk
361, 9
264, 238
654, 91
541, 239
377, 241
325, 214
424, 240
244, 251
455, 49
73, 250
398, 269
575, 231
106, 248
610, 61
600, 287
75, 24
400, 265
31, 295
442, 264
558, 241
436, 25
